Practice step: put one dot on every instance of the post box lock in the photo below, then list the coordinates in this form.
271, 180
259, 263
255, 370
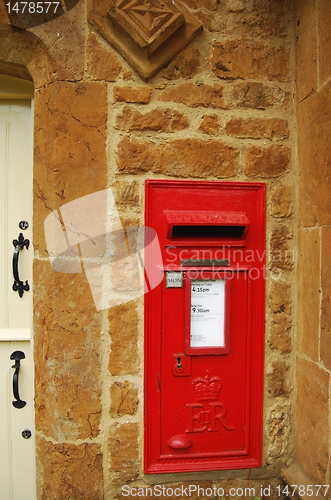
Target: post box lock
181, 365
204, 326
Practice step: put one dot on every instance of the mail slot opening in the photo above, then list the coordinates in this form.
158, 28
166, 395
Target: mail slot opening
208, 232
189, 227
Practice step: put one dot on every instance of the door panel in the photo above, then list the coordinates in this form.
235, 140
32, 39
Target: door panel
16, 199
17, 455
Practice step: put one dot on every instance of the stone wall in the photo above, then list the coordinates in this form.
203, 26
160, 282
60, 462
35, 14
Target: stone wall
313, 405
222, 109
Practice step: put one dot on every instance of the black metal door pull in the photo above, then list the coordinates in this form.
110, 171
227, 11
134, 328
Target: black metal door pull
18, 285
17, 356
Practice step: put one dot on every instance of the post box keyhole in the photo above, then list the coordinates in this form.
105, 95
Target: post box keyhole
181, 365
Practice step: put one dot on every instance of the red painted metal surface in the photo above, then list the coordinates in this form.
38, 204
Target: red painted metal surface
203, 402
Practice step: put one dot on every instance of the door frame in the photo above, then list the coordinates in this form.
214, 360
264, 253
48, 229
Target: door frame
17, 89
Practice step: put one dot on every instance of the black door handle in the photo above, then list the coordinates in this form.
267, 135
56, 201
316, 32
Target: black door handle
17, 356
18, 285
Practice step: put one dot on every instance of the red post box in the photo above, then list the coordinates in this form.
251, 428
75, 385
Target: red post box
204, 326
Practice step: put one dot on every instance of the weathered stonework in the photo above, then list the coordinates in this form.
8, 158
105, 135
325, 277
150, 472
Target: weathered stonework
257, 129
101, 63
281, 309
67, 340
325, 346
126, 193
313, 420
267, 162
278, 379
123, 448
281, 201
222, 108
139, 95
279, 432
179, 158
196, 95
309, 292
69, 471
124, 399
282, 254
165, 120
75, 165
256, 95
123, 329
209, 124
239, 59
313, 73
185, 65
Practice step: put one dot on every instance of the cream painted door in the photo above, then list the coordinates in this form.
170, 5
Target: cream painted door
17, 449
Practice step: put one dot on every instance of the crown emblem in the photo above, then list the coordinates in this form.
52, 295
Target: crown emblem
207, 388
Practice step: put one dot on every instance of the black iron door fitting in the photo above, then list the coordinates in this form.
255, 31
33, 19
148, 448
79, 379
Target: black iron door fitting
17, 356
18, 285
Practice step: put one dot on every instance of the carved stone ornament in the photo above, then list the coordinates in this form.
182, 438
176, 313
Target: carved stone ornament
148, 33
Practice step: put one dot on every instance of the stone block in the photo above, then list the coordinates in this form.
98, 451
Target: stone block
282, 256
280, 305
23, 55
195, 95
64, 39
67, 331
255, 95
279, 299
126, 193
70, 152
240, 59
159, 120
306, 48
312, 436
278, 379
123, 329
266, 162
294, 476
178, 158
123, 450
124, 399
324, 42
256, 128
314, 158
325, 345
281, 201
66, 471
280, 333
185, 65
235, 5
309, 291
102, 64
209, 124
279, 425
138, 95
265, 24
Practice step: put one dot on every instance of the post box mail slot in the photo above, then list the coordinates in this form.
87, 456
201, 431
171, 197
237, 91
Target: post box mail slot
212, 227
186, 227
204, 326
